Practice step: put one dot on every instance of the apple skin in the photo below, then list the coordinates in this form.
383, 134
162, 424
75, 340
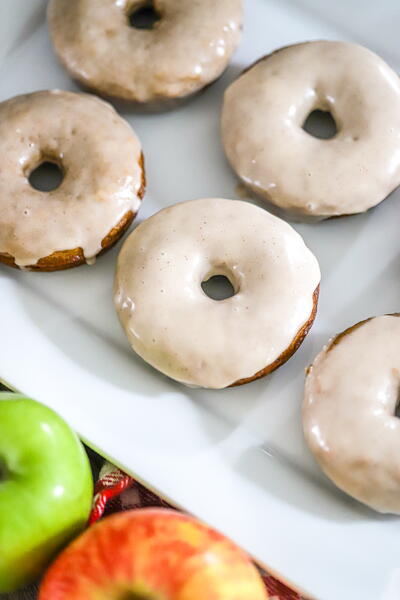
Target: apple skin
46, 488
152, 554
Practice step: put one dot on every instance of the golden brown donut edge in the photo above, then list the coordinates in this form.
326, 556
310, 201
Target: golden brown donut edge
286, 354
66, 259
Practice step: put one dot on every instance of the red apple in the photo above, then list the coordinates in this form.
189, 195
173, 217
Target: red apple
152, 554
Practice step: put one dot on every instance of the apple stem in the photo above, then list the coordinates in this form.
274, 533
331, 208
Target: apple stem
135, 596
3, 471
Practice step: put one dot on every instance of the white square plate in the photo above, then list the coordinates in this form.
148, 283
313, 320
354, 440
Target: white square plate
236, 458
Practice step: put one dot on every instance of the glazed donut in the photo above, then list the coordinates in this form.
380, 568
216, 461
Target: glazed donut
174, 326
188, 47
264, 111
349, 421
103, 179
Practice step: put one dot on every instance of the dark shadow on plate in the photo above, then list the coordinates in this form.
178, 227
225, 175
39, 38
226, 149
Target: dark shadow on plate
281, 476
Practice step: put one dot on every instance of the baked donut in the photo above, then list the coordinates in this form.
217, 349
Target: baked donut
188, 47
174, 326
262, 129
103, 179
351, 396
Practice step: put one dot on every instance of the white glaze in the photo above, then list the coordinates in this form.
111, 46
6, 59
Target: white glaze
99, 154
351, 395
263, 114
176, 327
188, 48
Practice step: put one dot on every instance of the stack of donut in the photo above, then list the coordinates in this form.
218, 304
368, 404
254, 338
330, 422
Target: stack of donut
155, 54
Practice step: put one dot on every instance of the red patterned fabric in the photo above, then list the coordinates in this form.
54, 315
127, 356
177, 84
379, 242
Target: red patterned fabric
116, 491
111, 483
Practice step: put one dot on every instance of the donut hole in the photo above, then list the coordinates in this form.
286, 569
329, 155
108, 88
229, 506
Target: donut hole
46, 177
397, 407
218, 287
144, 16
320, 124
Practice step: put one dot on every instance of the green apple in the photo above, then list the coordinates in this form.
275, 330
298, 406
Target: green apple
46, 488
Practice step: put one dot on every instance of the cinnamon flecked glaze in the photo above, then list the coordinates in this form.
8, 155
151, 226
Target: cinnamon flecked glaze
188, 47
351, 397
262, 128
174, 326
103, 179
